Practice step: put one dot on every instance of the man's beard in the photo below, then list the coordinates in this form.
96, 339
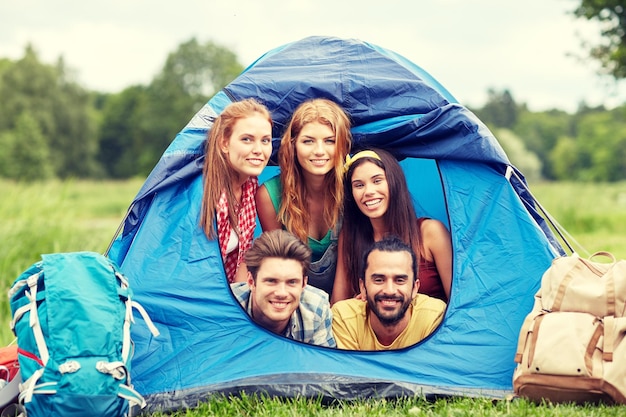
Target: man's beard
386, 319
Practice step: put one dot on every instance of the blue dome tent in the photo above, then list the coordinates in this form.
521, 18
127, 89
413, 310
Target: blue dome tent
457, 172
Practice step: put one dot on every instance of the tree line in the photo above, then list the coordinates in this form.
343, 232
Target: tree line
52, 127
589, 145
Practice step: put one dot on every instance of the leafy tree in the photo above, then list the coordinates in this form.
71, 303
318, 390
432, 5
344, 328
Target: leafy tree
4, 64
522, 158
197, 70
140, 123
7, 144
565, 159
122, 141
540, 132
25, 155
500, 109
60, 107
601, 142
190, 76
24, 87
77, 143
610, 53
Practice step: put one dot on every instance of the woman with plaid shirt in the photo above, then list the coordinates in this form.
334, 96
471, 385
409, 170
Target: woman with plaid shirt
237, 150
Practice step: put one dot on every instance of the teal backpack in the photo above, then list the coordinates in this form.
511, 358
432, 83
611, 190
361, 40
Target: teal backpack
72, 314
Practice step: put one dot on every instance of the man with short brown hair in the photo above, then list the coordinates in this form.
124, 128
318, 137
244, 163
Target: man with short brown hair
276, 294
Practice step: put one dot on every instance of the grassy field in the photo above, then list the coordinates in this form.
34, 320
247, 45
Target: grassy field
593, 214
79, 215
55, 217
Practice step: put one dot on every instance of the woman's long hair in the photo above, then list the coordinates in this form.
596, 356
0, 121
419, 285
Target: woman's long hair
400, 218
218, 172
293, 213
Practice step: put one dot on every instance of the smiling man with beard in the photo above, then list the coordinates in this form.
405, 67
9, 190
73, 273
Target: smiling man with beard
394, 315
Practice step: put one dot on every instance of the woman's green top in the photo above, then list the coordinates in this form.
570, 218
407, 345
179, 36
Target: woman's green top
324, 251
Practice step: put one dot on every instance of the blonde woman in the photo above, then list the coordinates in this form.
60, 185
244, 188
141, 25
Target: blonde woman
237, 150
306, 198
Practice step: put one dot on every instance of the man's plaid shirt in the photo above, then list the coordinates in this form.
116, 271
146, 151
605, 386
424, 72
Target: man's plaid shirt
311, 322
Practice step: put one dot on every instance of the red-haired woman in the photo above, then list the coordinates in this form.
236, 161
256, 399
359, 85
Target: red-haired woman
306, 198
237, 150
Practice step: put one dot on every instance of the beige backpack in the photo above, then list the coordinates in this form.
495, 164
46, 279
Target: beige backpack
571, 346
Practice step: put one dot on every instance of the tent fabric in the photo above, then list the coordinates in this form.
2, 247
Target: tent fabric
457, 173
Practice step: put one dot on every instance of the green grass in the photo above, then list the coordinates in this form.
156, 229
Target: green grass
81, 215
55, 217
260, 406
594, 214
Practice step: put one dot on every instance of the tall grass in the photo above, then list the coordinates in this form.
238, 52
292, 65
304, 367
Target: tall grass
593, 214
55, 217
79, 215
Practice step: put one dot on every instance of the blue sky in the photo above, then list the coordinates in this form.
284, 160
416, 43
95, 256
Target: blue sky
467, 45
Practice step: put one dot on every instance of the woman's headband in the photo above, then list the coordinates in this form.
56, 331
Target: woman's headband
358, 155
